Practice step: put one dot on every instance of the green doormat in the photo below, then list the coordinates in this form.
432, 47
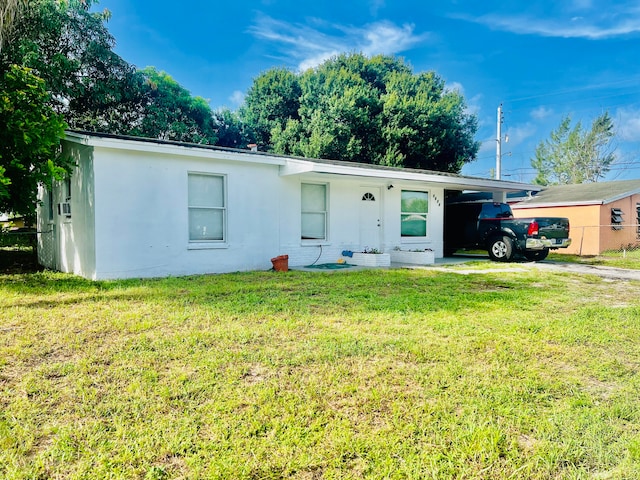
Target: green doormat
329, 266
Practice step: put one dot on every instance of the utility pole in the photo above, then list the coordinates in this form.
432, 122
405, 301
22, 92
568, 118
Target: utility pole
499, 144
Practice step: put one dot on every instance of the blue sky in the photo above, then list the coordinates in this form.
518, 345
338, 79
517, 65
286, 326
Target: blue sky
540, 60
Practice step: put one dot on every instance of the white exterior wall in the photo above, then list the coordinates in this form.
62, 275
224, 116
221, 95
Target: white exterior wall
141, 201
344, 218
130, 215
67, 243
142, 207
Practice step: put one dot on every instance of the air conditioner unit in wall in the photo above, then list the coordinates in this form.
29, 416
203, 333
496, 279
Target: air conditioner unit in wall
64, 209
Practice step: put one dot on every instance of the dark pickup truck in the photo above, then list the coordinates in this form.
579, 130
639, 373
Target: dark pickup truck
491, 226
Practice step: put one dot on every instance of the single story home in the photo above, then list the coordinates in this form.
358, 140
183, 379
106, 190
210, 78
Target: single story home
138, 207
603, 216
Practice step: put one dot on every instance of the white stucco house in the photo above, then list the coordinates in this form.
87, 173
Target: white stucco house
138, 207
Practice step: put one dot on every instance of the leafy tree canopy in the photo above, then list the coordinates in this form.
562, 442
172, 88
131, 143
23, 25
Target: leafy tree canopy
229, 129
57, 65
70, 48
369, 110
171, 113
273, 99
575, 155
30, 133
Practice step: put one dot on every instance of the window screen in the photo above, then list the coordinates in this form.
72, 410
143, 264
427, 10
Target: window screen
206, 208
314, 211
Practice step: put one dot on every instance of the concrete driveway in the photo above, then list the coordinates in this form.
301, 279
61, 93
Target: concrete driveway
611, 273
604, 272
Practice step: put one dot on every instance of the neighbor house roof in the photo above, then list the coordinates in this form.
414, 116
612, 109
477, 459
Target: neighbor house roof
290, 165
599, 193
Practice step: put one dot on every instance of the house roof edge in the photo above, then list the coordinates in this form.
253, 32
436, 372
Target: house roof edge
455, 181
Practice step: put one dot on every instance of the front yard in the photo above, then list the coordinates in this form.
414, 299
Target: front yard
369, 374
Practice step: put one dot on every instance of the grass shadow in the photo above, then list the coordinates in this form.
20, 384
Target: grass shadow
18, 260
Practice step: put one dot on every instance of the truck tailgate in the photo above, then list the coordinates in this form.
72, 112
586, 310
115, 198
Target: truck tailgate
553, 227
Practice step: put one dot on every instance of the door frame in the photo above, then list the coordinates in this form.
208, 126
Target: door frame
370, 242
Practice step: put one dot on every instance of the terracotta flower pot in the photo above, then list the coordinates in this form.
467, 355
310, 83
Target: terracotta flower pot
280, 263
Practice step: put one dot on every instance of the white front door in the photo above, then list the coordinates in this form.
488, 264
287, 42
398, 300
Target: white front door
370, 217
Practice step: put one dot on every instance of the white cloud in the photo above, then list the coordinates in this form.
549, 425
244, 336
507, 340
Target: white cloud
541, 113
473, 104
519, 133
559, 28
454, 87
316, 60
236, 98
309, 46
628, 124
385, 37
487, 146
594, 22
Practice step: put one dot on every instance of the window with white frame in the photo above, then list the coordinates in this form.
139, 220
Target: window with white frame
207, 208
314, 211
413, 213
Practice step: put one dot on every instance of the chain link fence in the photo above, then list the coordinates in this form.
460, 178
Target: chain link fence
18, 238
18, 250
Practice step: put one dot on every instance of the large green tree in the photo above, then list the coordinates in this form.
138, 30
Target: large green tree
271, 101
229, 129
575, 154
370, 110
57, 65
30, 132
69, 47
171, 113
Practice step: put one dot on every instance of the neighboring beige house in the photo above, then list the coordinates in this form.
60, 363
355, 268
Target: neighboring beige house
603, 216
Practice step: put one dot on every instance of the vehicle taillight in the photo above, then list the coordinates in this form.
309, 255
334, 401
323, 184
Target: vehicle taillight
533, 229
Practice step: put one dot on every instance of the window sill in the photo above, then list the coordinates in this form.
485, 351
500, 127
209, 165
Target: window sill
206, 246
314, 243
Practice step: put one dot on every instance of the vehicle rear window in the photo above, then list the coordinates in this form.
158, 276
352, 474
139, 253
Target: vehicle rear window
495, 210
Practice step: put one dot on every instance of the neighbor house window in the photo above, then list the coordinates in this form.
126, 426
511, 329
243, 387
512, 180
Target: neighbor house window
207, 208
413, 213
616, 219
638, 219
314, 211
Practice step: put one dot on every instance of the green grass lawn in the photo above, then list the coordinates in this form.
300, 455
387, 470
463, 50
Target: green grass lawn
369, 374
618, 259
